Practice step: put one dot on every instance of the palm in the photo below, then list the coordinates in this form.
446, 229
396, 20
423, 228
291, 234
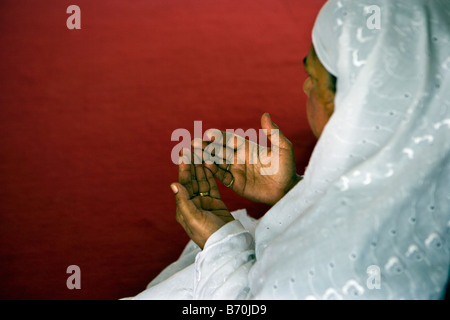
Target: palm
258, 173
263, 183
202, 188
209, 205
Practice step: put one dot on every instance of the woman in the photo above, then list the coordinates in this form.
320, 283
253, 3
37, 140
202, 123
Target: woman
371, 217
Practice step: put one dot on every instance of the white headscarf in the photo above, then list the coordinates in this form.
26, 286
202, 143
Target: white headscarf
375, 198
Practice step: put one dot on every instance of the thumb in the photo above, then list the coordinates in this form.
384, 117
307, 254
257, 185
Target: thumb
182, 198
274, 134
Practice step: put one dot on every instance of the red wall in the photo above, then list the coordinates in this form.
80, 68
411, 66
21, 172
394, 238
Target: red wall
86, 118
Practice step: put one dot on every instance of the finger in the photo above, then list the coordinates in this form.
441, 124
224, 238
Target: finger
197, 155
207, 151
222, 156
233, 150
203, 185
213, 168
201, 145
185, 206
224, 138
217, 172
224, 176
193, 175
184, 174
213, 189
228, 180
273, 132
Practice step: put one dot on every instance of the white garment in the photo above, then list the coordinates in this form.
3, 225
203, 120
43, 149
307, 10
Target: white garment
371, 218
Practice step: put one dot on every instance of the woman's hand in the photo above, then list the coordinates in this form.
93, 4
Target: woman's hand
200, 210
244, 165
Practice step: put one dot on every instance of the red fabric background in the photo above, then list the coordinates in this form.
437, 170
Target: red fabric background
86, 120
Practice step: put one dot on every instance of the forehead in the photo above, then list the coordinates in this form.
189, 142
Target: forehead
311, 57
310, 61
313, 65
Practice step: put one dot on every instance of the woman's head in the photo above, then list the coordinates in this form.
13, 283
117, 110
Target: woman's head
320, 87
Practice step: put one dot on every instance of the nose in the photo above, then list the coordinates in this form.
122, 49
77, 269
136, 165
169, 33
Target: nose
307, 86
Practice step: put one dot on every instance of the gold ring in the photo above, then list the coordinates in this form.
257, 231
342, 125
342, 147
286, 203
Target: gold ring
203, 194
230, 184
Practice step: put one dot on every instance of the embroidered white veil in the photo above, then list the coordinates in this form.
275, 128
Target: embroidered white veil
375, 199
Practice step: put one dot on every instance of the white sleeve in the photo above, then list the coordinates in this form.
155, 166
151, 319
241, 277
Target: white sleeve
221, 269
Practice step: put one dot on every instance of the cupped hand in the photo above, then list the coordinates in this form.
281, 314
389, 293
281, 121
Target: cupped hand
200, 210
253, 171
